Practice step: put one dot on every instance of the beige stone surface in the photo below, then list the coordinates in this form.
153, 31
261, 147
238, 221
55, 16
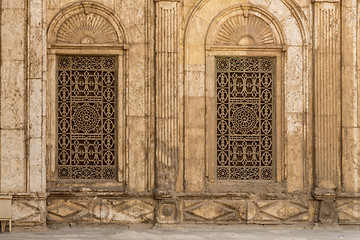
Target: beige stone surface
13, 165
166, 110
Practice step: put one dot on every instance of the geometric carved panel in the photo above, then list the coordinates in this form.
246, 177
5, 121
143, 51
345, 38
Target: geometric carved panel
241, 30
244, 211
216, 211
73, 210
127, 211
87, 29
28, 212
244, 88
86, 102
348, 211
100, 210
277, 211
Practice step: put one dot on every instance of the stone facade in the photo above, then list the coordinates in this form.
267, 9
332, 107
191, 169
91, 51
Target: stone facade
176, 151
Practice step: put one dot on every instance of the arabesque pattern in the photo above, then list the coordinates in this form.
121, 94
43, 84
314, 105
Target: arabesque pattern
86, 117
245, 118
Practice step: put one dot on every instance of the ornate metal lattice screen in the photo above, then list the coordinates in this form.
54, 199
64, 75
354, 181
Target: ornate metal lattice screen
86, 100
245, 118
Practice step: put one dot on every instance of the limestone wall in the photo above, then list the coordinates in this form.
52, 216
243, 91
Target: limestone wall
166, 52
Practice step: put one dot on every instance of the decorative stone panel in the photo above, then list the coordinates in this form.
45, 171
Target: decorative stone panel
245, 211
214, 211
348, 211
127, 211
277, 211
73, 210
27, 212
100, 210
167, 212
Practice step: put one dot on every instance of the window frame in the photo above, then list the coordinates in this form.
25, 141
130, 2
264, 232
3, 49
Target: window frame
120, 53
277, 52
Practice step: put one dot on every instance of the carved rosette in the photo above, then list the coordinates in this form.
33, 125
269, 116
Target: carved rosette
167, 212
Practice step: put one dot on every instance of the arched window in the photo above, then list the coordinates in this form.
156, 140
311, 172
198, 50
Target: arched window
244, 51
86, 59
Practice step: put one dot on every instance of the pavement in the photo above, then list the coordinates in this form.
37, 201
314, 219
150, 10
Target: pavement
195, 232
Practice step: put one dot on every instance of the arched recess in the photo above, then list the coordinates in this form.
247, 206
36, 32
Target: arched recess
90, 37
219, 29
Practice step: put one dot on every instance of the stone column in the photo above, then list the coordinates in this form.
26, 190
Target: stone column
167, 108
327, 100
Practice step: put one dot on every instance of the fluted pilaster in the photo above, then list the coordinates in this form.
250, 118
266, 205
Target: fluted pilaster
167, 107
167, 103
327, 108
327, 97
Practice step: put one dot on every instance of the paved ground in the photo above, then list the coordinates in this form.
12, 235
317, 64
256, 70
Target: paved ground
187, 233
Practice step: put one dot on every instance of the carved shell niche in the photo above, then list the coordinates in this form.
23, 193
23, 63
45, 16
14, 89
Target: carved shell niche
241, 30
88, 28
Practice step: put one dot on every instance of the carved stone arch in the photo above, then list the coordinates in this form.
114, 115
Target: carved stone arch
86, 23
245, 25
291, 5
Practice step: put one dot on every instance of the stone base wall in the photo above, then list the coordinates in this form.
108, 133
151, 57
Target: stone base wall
32, 210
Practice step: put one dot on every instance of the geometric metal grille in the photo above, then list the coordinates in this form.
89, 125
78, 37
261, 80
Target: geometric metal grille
244, 88
86, 103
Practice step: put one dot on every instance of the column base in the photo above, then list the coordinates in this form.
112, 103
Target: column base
327, 213
166, 212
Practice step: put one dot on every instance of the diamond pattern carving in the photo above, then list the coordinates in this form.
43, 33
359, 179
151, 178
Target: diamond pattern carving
279, 211
28, 211
134, 211
213, 211
101, 210
221, 211
348, 211
74, 210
